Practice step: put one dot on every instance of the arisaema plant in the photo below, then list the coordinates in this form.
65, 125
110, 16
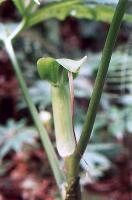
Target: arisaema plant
60, 73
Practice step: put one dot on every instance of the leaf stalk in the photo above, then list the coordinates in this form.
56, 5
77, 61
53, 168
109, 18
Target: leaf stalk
53, 160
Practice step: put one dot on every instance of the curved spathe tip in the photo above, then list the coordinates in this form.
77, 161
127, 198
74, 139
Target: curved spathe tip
72, 65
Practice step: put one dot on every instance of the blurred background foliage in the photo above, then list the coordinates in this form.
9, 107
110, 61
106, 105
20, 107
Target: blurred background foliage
66, 29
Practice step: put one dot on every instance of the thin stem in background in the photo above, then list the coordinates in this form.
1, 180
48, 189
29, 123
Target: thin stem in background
53, 160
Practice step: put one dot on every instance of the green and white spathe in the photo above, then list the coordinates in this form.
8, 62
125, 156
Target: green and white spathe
56, 72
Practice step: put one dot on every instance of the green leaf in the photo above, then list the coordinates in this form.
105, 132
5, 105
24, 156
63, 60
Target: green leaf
53, 10
20, 6
76, 9
106, 1
25, 7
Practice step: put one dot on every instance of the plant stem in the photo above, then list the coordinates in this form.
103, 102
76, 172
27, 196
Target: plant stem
18, 29
53, 160
101, 75
73, 191
73, 161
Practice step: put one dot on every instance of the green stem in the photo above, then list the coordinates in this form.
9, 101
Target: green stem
18, 29
98, 87
101, 75
43, 134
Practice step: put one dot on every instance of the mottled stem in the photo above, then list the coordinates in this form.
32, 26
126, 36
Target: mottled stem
73, 191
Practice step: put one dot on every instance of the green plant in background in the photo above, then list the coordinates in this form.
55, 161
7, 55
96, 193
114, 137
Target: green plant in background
13, 136
32, 15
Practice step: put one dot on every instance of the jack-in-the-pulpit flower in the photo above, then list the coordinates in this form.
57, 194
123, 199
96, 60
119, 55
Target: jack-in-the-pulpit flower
56, 72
